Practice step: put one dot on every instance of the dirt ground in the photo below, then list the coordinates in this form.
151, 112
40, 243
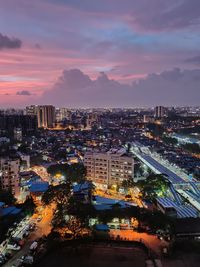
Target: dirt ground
98, 256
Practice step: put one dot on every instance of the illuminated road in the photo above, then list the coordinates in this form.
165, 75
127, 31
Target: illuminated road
43, 228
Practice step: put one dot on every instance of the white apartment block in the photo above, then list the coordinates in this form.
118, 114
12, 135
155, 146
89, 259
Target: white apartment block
108, 168
9, 174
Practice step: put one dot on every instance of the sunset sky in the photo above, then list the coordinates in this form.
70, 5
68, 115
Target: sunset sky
99, 53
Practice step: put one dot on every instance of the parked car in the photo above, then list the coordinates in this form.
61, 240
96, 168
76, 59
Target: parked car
34, 245
13, 247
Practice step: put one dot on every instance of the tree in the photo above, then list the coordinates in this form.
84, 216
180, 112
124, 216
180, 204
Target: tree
6, 196
193, 148
59, 194
29, 206
84, 211
73, 173
128, 183
153, 185
170, 140
75, 226
156, 130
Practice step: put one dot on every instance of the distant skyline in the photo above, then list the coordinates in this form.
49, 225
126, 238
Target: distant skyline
107, 53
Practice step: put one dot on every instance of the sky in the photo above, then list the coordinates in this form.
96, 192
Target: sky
99, 53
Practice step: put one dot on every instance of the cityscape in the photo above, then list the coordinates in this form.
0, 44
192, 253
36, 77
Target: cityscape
99, 133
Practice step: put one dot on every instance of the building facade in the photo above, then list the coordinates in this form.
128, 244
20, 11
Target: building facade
159, 112
31, 110
9, 174
27, 124
109, 168
46, 116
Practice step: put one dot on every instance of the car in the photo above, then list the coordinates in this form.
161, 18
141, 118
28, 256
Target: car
28, 259
13, 247
2, 259
34, 245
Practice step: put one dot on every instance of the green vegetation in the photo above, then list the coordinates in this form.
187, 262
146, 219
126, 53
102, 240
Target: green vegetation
189, 130
169, 140
156, 130
28, 207
193, 148
73, 173
154, 185
6, 196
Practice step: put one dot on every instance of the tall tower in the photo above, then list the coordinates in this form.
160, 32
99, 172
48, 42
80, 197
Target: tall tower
159, 112
46, 116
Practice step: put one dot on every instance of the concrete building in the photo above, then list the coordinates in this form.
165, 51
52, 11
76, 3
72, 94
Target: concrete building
160, 112
31, 110
18, 134
62, 114
108, 168
9, 174
25, 162
27, 123
92, 119
46, 116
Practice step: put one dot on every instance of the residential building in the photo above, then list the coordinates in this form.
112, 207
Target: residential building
31, 110
18, 134
62, 114
46, 116
109, 168
92, 119
9, 174
159, 112
27, 124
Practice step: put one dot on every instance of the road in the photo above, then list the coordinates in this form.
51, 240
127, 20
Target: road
43, 228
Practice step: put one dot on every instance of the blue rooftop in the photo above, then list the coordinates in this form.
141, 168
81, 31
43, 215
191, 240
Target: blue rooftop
10, 211
103, 203
2, 204
82, 187
101, 227
183, 211
39, 187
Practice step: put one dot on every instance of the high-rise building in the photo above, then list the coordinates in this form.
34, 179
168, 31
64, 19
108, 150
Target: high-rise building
108, 168
31, 110
92, 119
46, 116
27, 124
63, 114
159, 112
9, 174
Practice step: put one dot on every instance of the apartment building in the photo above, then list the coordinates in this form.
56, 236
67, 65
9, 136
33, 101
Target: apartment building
109, 168
46, 116
9, 174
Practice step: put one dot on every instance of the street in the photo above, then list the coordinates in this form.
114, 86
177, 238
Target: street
42, 228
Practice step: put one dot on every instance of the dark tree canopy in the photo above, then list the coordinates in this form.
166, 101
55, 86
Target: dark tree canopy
74, 173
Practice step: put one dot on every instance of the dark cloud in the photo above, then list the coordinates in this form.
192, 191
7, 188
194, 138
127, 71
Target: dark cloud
23, 92
193, 60
173, 87
149, 15
167, 15
9, 43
